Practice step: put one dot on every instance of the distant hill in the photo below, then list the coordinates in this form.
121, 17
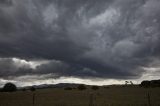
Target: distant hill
42, 86
146, 83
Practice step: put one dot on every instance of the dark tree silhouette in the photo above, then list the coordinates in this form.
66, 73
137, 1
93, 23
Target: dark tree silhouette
9, 87
23, 89
152, 83
82, 87
32, 88
95, 87
68, 88
145, 84
155, 83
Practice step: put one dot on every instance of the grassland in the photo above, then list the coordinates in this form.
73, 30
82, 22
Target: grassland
113, 96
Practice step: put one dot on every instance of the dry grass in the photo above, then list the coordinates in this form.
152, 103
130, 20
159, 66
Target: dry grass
114, 96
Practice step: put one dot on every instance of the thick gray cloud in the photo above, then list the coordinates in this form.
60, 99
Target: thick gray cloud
9, 68
82, 38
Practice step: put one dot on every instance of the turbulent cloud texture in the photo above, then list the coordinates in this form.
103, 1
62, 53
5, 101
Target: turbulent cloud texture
81, 38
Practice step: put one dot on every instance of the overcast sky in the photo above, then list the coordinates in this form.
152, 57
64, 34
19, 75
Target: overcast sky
79, 41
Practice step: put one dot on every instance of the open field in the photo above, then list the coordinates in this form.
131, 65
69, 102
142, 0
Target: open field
113, 96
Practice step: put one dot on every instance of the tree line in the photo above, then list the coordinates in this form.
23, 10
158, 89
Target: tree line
10, 87
152, 83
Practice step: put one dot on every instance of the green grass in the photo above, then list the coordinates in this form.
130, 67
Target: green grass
114, 96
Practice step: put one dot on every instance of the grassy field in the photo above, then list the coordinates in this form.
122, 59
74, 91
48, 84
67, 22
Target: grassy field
113, 96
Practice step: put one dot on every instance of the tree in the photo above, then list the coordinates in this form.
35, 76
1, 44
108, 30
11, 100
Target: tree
95, 87
9, 87
128, 83
68, 88
24, 89
152, 83
131, 83
82, 87
32, 88
145, 84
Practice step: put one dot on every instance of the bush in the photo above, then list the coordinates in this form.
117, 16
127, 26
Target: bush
24, 89
152, 83
106, 87
68, 88
145, 84
95, 87
32, 89
9, 87
82, 87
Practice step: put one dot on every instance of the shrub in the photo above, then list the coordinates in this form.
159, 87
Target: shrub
24, 89
95, 87
32, 88
82, 87
145, 84
68, 88
152, 83
9, 87
106, 87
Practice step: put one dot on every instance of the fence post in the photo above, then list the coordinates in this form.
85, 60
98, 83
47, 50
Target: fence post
33, 99
91, 100
149, 99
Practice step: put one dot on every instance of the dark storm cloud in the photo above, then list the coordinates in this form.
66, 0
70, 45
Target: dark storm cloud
89, 38
5, 2
10, 68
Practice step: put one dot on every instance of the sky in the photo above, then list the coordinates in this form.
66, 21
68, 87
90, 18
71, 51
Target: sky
79, 41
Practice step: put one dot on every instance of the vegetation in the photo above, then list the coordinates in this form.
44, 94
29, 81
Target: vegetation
152, 83
115, 95
23, 89
106, 87
95, 87
68, 88
32, 88
9, 87
82, 87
